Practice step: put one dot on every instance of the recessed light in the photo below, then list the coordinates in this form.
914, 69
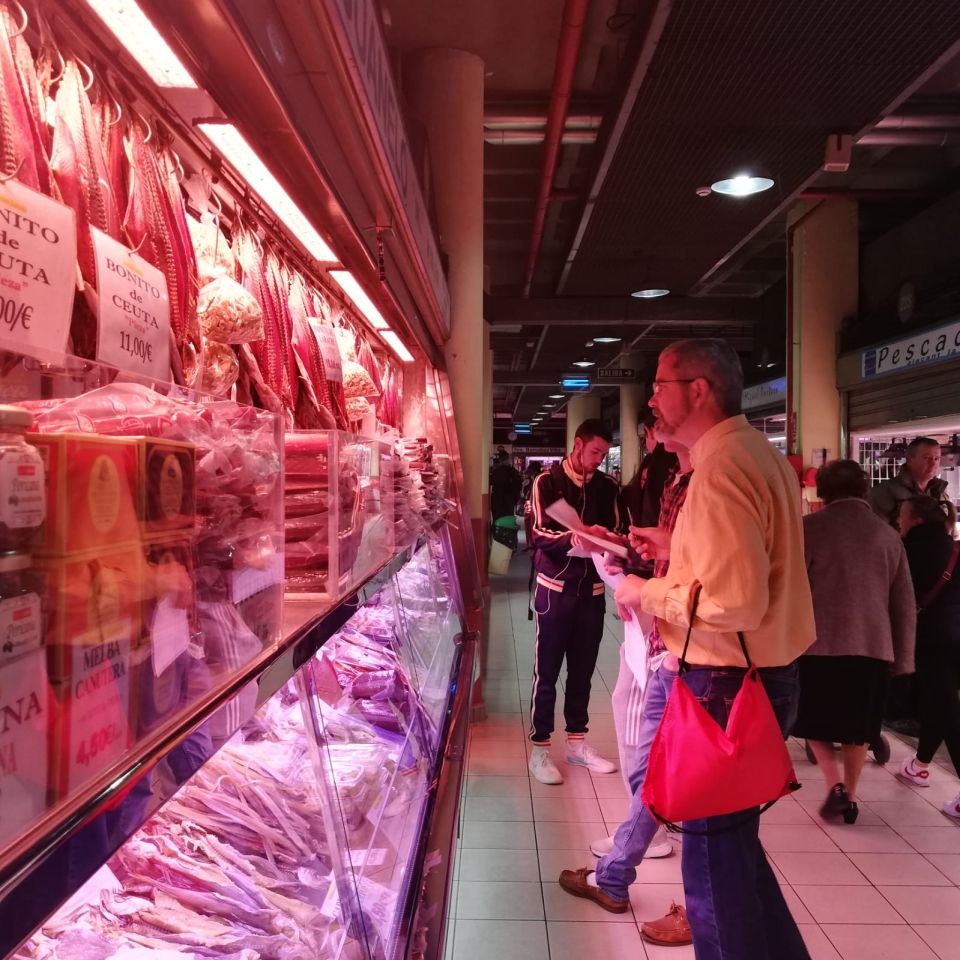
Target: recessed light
769, 365
589, 343
742, 185
557, 396
584, 363
549, 406
650, 294
606, 339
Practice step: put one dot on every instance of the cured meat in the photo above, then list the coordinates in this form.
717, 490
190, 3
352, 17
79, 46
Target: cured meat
22, 137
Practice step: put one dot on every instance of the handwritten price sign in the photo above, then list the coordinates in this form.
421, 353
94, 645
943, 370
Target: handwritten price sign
100, 741
38, 255
134, 329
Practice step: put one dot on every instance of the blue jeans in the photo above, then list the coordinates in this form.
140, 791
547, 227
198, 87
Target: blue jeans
734, 903
618, 869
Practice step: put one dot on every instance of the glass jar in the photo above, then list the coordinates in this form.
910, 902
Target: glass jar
23, 496
21, 608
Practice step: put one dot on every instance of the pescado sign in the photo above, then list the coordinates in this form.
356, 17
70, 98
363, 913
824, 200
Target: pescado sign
930, 346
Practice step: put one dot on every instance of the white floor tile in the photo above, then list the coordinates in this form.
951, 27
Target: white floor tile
808, 869
579, 941
499, 900
926, 904
498, 808
494, 865
866, 942
942, 939
899, 869
503, 939
835, 904
547, 809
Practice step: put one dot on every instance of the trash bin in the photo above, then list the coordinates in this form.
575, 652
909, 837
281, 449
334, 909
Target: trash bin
500, 556
506, 530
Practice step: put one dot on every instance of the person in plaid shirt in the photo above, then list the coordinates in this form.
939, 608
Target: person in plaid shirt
617, 869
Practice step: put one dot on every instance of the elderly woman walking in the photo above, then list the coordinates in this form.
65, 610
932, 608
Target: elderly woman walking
865, 612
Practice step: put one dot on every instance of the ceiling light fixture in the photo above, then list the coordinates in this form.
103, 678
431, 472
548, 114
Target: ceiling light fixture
557, 396
349, 285
606, 339
396, 345
584, 363
742, 185
230, 142
650, 294
549, 406
131, 26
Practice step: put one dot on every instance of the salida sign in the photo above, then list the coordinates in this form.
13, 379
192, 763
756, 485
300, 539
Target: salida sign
931, 346
134, 312
38, 255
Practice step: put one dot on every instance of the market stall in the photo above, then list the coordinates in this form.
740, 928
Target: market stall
234, 665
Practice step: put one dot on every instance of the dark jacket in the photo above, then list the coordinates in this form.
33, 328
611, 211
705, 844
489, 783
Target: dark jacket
595, 502
860, 580
642, 495
928, 551
886, 497
505, 484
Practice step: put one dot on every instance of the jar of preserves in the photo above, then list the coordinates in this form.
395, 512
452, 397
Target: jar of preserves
21, 608
23, 495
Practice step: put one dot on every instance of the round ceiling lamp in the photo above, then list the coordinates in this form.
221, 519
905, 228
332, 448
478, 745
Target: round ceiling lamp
742, 185
583, 363
606, 339
650, 294
557, 396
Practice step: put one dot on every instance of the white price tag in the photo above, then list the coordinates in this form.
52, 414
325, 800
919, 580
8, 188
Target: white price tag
134, 327
38, 268
170, 634
329, 350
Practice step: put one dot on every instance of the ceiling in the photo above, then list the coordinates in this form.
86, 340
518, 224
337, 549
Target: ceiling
668, 96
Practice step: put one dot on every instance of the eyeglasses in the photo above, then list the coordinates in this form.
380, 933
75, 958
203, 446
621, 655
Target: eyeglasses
659, 384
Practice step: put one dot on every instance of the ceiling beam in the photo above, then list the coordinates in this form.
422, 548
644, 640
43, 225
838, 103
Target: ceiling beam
622, 311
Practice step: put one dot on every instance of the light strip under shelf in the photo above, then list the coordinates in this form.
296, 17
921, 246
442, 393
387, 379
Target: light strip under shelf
349, 284
230, 142
396, 345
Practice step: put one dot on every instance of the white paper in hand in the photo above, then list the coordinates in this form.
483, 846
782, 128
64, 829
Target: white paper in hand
566, 516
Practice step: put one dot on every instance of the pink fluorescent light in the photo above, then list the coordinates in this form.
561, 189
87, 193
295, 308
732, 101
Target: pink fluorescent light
396, 345
230, 142
347, 282
131, 26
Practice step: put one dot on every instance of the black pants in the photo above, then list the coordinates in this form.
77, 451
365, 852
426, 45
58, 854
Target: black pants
572, 627
938, 680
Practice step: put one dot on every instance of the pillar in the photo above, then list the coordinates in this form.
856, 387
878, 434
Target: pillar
487, 438
823, 277
631, 402
445, 93
579, 408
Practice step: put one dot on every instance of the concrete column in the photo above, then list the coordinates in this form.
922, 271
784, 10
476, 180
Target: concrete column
823, 264
445, 93
631, 402
580, 408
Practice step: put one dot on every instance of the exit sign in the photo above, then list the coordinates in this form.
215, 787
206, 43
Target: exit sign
617, 374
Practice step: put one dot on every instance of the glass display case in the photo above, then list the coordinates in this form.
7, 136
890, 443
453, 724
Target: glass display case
305, 834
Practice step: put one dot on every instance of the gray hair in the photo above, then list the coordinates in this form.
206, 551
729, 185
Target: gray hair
717, 362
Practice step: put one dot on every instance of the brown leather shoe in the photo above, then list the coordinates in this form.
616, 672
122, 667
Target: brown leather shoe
575, 882
669, 931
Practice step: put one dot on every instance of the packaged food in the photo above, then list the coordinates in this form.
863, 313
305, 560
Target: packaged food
221, 368
21, 607
228, 313
91, 709
90, 596
24, 720
23, 502
167, 485
92, 493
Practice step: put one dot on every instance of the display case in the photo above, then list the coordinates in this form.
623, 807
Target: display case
305, 835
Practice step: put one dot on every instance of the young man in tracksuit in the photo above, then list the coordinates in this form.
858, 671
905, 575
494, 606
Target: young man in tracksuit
568, 600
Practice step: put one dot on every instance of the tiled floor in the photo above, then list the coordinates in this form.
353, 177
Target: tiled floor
887, 888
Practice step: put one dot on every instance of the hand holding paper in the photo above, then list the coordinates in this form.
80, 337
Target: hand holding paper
566, 516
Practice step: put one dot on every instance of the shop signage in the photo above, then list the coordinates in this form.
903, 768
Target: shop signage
134, 327
358, 30
930, 346
764, 394
538, 451
616, 375
326, 338
38, 256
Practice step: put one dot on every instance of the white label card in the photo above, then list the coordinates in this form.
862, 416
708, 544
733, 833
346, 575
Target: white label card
134, 327
329, 350
170, 634
38, 268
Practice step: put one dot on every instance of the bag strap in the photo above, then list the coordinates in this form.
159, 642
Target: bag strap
945, 578
736, 825
740, 637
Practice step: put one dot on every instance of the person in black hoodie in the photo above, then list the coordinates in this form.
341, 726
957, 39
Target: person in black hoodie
927, 528
568, 601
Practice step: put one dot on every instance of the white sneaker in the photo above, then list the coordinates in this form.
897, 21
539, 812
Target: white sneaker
660, 846
911, 772
952, 807
543, 768
600, 848
581, 754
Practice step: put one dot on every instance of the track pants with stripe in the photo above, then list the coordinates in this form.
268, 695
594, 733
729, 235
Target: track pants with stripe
571, 627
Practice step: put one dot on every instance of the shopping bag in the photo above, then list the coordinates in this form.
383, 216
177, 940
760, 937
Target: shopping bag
697, 769
500, 555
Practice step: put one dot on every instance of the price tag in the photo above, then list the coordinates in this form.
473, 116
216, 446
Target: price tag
329, 351
38, 268
170, 634
134, 328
